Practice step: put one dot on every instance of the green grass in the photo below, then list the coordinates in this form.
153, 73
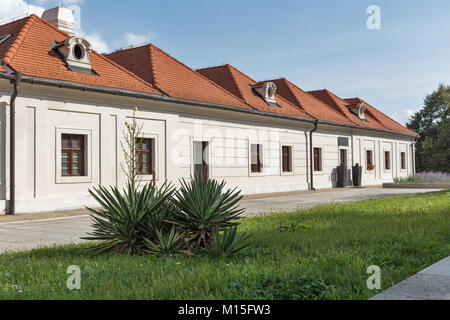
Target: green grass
332, 245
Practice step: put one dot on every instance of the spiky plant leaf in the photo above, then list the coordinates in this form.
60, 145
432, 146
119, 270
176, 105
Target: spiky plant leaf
202, 206
125, 218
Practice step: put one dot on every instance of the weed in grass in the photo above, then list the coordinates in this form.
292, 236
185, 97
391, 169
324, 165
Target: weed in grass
290, 287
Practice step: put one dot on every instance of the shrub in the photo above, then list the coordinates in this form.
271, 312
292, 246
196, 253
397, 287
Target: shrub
126, 219
426, 177
202, 207
199, 217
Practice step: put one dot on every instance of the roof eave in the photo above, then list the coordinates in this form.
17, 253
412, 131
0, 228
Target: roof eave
151, 96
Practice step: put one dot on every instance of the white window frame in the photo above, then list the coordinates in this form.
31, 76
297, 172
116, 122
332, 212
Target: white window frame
290, 145
195, 139
390, 160
321, 160
406, 161
87, 133
373, 161
256, 174
155, 157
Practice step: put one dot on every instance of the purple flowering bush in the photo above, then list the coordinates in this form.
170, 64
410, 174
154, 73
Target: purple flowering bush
426, 177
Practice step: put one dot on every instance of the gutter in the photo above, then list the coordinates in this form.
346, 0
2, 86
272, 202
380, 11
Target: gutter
141, 95
12, 144
311, 156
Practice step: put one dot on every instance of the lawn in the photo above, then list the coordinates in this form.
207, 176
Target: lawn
322, 252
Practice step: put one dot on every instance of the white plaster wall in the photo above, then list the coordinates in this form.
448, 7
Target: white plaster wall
42, 111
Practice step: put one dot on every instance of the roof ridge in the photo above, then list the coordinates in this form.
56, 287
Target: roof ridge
382, 113
123, 69
155, 80
197, 73
9, 55
14, 21
316, 99
230, 69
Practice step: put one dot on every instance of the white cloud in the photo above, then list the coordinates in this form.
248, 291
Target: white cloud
135, 39
18, 8
11, 9
96, 41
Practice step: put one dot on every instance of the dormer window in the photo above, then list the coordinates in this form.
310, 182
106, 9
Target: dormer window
359, 110
75, 53
268, 91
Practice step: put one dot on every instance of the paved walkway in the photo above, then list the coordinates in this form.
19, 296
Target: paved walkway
433, 283
21, 235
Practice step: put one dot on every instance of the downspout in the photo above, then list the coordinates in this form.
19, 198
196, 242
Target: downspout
12, 144
311, 155
413, 147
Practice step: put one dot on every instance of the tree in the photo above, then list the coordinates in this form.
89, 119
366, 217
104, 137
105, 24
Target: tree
432, 122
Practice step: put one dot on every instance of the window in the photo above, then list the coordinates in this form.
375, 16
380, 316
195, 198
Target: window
369, 160
201, 159
72, 155
144, 156
286, 161
317, 159
256, 158
403, 160
387, 160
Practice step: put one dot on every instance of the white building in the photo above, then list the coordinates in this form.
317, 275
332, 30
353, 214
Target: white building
63, 107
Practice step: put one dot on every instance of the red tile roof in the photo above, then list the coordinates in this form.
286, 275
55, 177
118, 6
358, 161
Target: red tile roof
388, 122
374, 118
308, 103
172, 76
27, 51
241, 86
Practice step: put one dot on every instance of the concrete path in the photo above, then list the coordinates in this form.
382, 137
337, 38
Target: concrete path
433, 283
24, 235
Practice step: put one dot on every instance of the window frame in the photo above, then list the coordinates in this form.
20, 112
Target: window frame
155, 157
260, 157
372, 160
209, 148
87, 155
320, 169
291, 159
403, 168
70, 150
140, 152
389, 168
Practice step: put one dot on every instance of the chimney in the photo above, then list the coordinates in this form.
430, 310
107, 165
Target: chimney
62, 18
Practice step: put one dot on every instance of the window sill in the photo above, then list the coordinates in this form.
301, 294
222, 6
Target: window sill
287, 173
69, 180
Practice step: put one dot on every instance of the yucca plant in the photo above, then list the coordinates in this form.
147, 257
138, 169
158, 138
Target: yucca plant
170, 242
126, 218
228, 243
202, 206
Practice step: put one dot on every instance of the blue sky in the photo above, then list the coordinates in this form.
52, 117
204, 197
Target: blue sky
315, 44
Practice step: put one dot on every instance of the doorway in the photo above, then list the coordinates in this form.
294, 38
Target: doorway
201, 159
343, 157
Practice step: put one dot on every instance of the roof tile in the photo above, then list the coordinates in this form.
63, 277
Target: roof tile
241, 86
308, 103
27, 51
173, 77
